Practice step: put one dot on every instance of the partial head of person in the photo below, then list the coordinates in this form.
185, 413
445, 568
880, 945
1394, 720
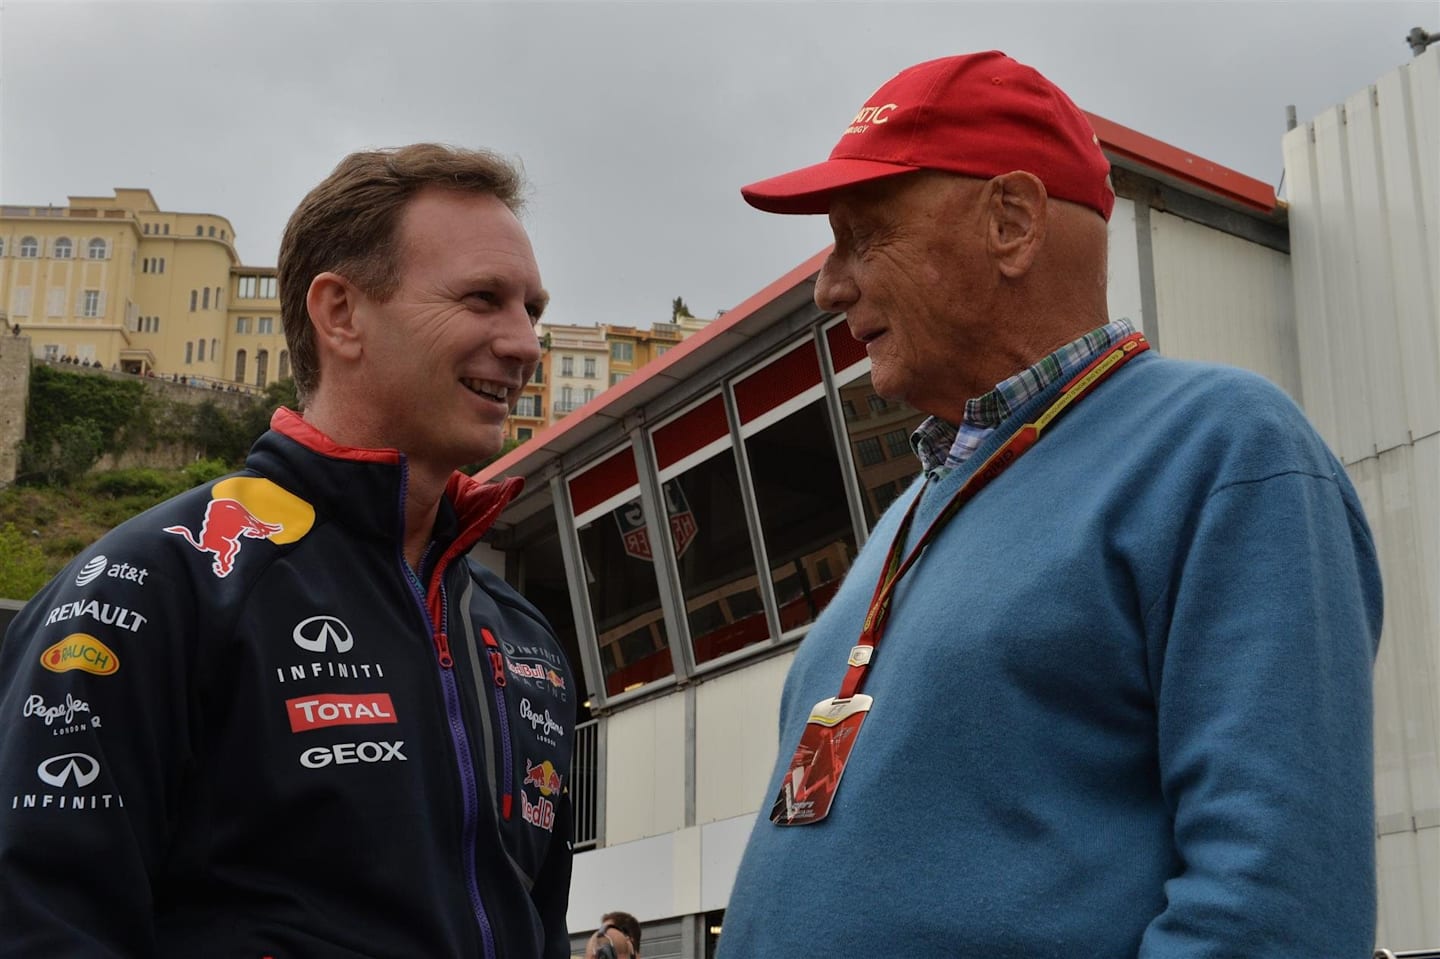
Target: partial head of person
409, 294
969, 200
610, 942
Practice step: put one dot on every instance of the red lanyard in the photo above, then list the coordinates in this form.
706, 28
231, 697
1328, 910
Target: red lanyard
998, 462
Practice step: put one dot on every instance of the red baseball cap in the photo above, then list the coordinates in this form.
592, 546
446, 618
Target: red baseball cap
979, 115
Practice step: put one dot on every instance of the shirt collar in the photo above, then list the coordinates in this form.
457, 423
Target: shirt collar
942, 446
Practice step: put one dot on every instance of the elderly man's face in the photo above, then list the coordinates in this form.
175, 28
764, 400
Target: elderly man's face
911, 274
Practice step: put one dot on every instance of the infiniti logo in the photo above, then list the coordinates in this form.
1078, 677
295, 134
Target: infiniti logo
91, 571
318, 632
59, 770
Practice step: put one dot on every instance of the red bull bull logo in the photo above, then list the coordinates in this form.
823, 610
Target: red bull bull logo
245, 507
555, 678
543, 777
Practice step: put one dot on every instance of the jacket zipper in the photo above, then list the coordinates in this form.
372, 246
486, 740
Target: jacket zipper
460, 740
497, 668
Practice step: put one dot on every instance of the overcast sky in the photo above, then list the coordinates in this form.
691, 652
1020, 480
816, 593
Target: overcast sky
636, 122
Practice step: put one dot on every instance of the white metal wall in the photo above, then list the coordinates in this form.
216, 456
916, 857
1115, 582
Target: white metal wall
1362, 180
645, 770
1223, 299
737, 721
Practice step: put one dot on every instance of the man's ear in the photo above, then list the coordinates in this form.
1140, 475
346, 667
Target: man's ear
331, 302
1017, 206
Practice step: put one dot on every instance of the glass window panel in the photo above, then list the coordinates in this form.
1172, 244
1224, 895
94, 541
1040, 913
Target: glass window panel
881, 478
620, 581
803, 513
715, 558
542, 581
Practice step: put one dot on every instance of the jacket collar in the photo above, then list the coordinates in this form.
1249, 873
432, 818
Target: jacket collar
365, 488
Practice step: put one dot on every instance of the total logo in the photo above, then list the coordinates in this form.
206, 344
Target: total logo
246, 507
70, 771
343, 754
325, 634
99, 566
80, 651
335, 709
64, 713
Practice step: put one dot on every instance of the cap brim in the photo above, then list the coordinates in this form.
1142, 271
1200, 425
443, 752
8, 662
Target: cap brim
809, 189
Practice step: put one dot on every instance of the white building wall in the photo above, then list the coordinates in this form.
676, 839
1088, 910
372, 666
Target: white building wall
1223, 299
737, 720
1362, 180
645, 770
1123, 289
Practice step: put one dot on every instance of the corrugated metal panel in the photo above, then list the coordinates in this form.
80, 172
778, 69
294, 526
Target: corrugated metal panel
1362, 180
1225, 299
644, 771
1364, 241
736, 716
1399, 492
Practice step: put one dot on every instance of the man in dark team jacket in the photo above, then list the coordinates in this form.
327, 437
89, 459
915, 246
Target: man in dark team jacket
283, 714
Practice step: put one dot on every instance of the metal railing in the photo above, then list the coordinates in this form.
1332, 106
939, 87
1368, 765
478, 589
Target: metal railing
585, 773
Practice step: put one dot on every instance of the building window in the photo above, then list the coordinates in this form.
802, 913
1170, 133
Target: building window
147, 228
29, 248
524, 433
262, 365
2, 246
222, 234
214, 348
145, 265
189, 352
284, 364
622, 351
242, 324
200, 352
199, 231
267, 287
55, 301
617, 377
162, 264
51, 351
877, 403
205, 298
212, 231
96, 250
567, 399
219, 293
589, 367
661, 351
629, 623
567, 366
589, 393
266, 324
239, 366
868, 449
166, 230
539, 376
63, 248
247, 288
897, 443
90, 303
194, 298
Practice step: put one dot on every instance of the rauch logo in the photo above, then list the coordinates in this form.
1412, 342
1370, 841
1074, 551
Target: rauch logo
80, 651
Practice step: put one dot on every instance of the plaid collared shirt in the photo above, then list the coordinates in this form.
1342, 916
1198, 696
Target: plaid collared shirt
942, 447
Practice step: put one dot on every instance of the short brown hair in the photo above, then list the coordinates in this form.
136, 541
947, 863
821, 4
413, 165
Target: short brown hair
627, 924
347, 225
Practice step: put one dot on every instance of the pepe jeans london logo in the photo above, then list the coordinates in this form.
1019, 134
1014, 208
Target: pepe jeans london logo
541, 722
64, 713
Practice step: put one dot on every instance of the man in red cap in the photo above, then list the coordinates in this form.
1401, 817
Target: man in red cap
1099, 684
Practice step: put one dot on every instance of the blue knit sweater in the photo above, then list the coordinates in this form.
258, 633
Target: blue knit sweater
1122, 706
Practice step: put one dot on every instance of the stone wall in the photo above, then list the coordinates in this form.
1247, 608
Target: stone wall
14, 391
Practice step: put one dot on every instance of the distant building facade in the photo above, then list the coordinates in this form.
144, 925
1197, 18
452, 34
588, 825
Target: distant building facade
120, 283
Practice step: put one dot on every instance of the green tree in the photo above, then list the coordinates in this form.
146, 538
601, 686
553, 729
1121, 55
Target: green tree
679, 309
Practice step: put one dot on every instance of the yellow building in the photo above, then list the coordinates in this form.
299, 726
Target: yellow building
118, 282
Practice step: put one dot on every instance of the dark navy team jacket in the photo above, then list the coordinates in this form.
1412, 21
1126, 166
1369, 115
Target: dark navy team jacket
239, 726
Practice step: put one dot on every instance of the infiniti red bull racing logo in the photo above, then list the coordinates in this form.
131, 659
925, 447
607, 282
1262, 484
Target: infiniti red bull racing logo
246, 507
543, 777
